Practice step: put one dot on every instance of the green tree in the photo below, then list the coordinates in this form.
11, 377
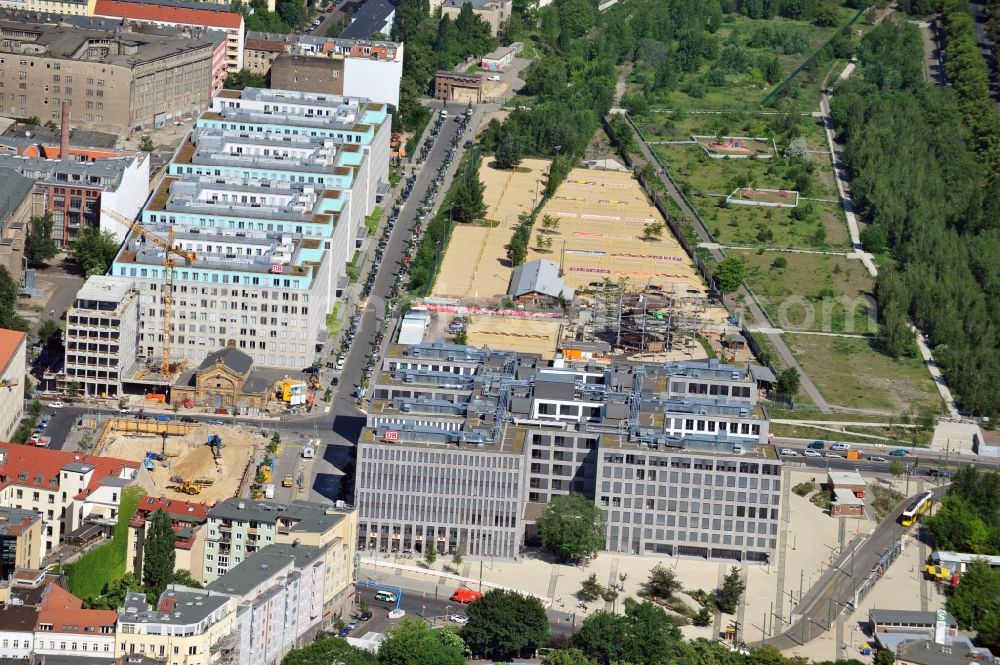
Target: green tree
571, 656
644, 635
975, 602
458, 556
572, 527
329, 650
183, 577
39, 246
94, 251
729, 274
662, 582
591, 589
788, 382
703, 617
244, 78
113, 595
884, 657
414, 643
146, 144
509, 151
505, 624
652, 231
430, 553
73, 390
292, 12
50, 335
467, 204
896, 468
728, 597
8, 301
158, 554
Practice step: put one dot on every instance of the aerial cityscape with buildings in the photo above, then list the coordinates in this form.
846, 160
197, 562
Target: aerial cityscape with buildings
387, 332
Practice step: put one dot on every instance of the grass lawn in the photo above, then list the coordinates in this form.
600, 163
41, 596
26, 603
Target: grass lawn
373, 219
851, 374
896, 436
333, 320
89, 574
792, 295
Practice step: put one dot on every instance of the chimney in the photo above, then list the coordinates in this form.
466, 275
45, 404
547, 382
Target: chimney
64, 133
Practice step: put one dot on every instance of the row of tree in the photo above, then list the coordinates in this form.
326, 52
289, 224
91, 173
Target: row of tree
433, 43
930, 199
968, 519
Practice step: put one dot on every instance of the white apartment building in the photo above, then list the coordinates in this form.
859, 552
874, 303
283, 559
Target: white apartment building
186, 627
101, 332
12, 376
280, 591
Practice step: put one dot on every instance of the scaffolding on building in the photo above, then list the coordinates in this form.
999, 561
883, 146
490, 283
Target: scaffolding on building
645, 320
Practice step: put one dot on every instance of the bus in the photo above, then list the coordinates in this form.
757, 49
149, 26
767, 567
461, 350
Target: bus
917, 507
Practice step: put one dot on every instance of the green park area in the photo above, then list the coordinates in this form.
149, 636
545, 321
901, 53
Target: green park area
849, 373
817, 292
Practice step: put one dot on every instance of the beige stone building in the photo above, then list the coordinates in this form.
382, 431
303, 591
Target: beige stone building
13, 369
17, 206
494, 12
116, 82
261, 48
187, 519
20, 540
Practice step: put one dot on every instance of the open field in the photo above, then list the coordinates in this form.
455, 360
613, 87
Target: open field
190, 458
821, 292
475, 262
736, 146
849, 373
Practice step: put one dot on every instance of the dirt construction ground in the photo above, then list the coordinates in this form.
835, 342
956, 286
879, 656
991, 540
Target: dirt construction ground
190, 458
474, 264
601, 219
521, 335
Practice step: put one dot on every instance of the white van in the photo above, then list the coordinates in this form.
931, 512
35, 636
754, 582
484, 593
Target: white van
309, 450
269, 491
386, 596
444, 113
840, 447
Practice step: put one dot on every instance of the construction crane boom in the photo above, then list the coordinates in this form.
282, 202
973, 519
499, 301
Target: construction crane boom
134, 226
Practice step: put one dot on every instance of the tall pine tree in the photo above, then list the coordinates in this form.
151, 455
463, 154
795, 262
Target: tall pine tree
158, 554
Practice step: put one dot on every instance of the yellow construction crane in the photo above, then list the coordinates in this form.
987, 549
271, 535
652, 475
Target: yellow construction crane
168, 275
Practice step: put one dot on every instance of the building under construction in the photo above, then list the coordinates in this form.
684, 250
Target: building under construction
646, 320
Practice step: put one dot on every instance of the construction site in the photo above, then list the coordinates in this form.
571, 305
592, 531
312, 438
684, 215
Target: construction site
204, 463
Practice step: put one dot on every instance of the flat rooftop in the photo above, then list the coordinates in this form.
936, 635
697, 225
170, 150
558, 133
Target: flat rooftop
124, 49
105, 288
212, 146
270, 562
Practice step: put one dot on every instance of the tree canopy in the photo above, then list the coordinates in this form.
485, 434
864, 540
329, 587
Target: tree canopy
968, 520
158, 554
644, 635
729, 274
327, 650
572, 527
505, 624
9, 289
39, 246
414, 643
94, 250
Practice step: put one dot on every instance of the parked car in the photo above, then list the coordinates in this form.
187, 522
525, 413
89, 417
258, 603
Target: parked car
366, 615
288, 481
163, 418
788, 452
188, 419
898, 452
875, 458
833, 455
817, 445
808, 452
35, 438
57, 404
214, 422
460, 618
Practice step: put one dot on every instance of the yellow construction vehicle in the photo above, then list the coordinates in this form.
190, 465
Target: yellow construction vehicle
314, 382
937, 573
167, 292
186, 487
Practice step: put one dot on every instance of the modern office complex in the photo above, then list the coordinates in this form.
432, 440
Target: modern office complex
267, 198
465, 447
115, 80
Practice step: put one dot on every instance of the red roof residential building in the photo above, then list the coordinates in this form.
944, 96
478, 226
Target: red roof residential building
62, 612
188, 520
66, 488
210, 18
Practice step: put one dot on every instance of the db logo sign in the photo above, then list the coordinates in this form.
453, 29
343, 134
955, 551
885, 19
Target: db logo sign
392, 435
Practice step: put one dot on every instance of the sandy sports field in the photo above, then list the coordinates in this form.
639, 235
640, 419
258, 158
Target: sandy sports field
190, 458
601, 219
522, 335
474, 264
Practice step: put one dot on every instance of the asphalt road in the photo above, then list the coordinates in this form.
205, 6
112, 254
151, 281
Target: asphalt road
835, 590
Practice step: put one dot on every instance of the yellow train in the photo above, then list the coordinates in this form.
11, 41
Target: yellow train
917, 507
